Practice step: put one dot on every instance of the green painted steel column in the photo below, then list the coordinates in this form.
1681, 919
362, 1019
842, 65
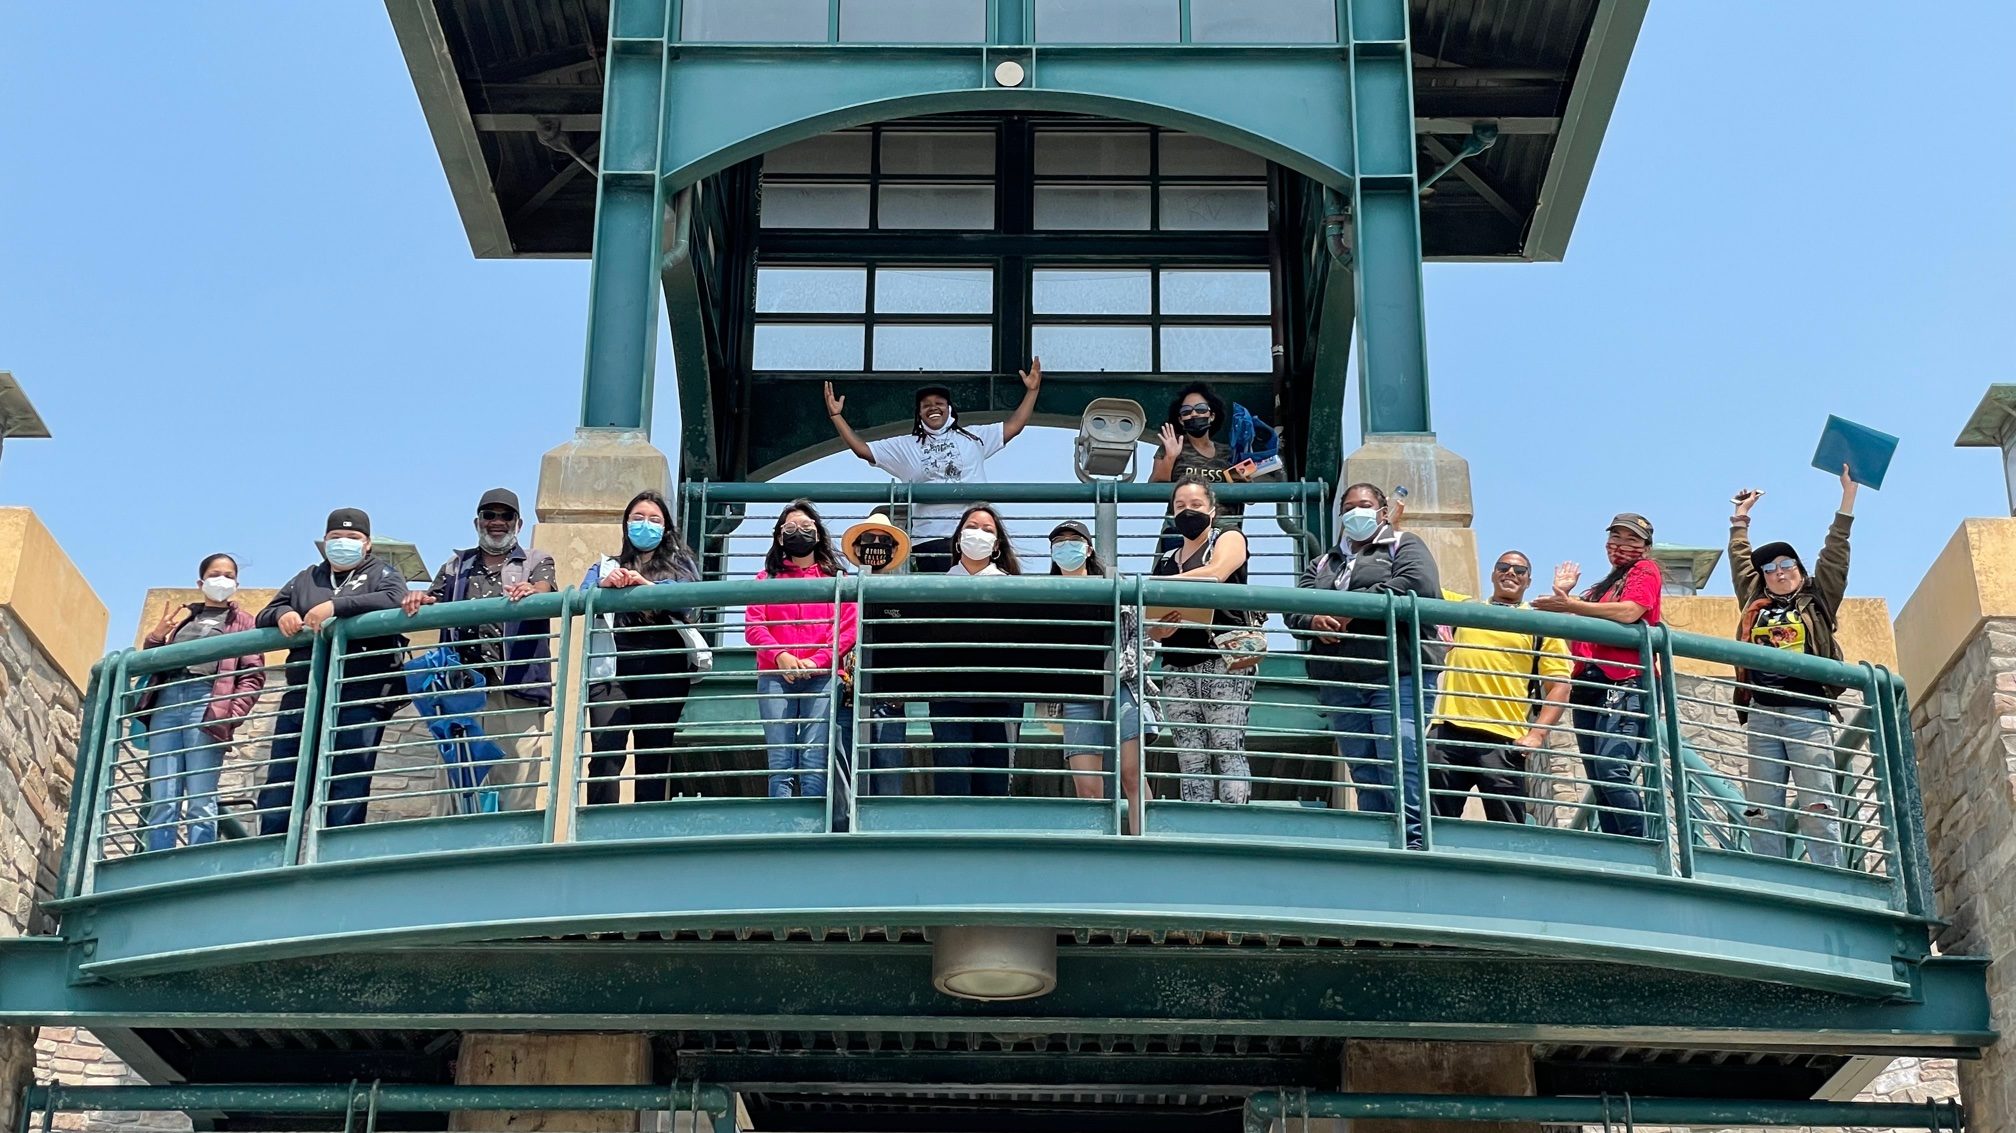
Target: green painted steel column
1386, 219
629, 223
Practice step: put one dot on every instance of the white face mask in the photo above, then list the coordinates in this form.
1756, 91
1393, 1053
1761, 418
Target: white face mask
941, 430
218, 588
976, 544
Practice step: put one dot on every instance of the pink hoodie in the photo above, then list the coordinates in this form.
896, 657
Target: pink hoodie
802, 629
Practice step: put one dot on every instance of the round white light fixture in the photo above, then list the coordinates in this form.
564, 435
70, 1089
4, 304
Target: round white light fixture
1009, 73
992, 963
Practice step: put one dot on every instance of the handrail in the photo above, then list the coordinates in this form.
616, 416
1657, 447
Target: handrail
783, 492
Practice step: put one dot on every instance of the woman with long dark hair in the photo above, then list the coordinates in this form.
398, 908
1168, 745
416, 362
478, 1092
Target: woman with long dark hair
796, 644
971, 731
1088, 734
640, 667
1203, 700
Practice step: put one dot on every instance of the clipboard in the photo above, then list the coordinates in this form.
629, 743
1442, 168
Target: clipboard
1864, 450
1191, 616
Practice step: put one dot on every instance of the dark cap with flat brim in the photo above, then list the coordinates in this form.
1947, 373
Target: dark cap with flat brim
349, 519
500, 497
1070, 527
1772, 552
1633, 522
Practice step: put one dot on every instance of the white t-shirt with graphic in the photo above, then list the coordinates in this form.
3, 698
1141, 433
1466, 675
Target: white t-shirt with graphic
948, 458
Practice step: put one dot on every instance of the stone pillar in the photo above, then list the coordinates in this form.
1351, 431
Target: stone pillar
1956, 647
1484, 1069
551, 1060
583, 487
1438, 498
52, 630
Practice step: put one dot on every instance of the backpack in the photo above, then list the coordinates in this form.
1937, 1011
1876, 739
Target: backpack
1252, 439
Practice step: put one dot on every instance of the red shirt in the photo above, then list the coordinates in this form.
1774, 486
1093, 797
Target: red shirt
1641, 584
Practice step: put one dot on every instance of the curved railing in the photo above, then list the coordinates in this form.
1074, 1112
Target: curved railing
639, 751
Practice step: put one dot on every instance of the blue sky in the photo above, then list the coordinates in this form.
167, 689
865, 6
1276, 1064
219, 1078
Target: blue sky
232, 280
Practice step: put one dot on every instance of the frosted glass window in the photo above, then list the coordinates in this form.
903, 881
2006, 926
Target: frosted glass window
934, 291
812, 290
1071, 291
937, 206
1196, 208
815, 206
1091, 349
913, 21
1187, 292
827, 153
1092, 153
1217, 350
934, 347
755, 21
938, 151
1112, 209
1263, 21
810, 347
1189, 155
1108, 21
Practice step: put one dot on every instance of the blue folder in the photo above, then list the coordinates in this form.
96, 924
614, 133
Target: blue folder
1864, 450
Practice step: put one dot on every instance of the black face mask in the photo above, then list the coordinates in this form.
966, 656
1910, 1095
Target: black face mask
797, 544
1192, 523
1197, 426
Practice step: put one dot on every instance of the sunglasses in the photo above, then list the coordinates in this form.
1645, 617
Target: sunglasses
1782, 566
489, 515
1512, 568
1194, 411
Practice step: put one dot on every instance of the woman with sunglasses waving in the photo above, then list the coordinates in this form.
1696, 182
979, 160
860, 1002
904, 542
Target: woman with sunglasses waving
1788, 719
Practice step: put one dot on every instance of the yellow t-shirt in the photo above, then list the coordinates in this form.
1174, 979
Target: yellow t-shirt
1484, 684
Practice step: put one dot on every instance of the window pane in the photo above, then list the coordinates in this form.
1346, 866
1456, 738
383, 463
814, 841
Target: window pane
1108, 21
1237, 208
1217, 350
1188, 154
913, 21
1215, 293
934, 291
934, 348
1111, 209
937, 206
1072, 153
812, 290
1070, 291
816, 347
938, 151
815, 206
827, 153
1263, 21
755, 21
1119, 349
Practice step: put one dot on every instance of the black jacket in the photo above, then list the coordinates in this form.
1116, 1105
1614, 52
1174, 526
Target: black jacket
1393, 563
373, 584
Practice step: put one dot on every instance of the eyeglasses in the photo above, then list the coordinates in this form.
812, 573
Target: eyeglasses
794, 529
1512, 568
1782, 566
491, 515
1194, 411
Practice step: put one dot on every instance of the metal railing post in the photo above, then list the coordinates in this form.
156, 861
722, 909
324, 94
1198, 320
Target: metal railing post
563, 701
1882, 759
100, 785
1650, 743
1397, 766
1667, 683
1420, 754
320, 760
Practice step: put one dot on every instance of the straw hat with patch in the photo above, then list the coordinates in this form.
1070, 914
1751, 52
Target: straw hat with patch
876, 544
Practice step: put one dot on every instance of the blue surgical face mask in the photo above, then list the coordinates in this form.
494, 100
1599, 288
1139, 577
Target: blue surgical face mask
343, 553
645, 534
1360, 524
1070, 554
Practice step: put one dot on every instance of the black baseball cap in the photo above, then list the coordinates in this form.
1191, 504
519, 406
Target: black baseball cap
1070, 527
1772, 552
349, 519
501, 497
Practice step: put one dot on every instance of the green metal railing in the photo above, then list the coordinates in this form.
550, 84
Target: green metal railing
942, 688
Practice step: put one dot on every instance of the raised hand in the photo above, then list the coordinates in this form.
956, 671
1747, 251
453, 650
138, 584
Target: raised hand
835, 404
167, 624
1566, 576
1032, 378
1745, 499
1848, 487
1172, 445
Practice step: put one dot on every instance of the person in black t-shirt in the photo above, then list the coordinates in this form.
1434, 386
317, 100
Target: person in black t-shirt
1203, 701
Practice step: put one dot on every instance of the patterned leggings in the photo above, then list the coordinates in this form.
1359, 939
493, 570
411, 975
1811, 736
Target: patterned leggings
1206, 711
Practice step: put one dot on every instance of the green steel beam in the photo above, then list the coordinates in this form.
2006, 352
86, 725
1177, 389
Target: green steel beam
1329, 377
1386, 222
1101, 990
1592, 97
384, 1098
441, 887
1263, 1109
1072, 1071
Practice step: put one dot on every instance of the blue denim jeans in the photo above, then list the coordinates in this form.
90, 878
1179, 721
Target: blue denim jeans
1369, 757
1088, 732
181, 766
1610, 731
969, 743
355, 755
795, 729
1795, 743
